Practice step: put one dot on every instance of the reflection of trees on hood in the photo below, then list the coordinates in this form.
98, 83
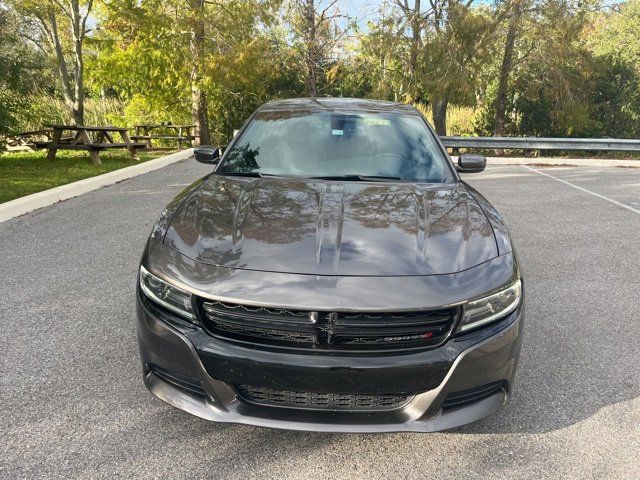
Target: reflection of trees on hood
196, 221
413, 209
230, 210
213, 224
278, 215
201, 271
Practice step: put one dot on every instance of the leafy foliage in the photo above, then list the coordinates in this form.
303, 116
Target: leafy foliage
246, 62
20, 71
38, 110
576, 68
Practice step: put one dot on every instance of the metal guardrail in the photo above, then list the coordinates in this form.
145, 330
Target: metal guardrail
534, 143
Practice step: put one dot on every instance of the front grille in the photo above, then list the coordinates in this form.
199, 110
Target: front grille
465, 397
320, 401
328, 330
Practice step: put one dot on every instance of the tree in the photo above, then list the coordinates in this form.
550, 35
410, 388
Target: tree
516, 9
612, 37
199, 110
432, 55
66, 47
317, 34
408, 22
23, 67
549, 79
188, 60
415, 18
23, 70
533, 67
374, 69
457, 49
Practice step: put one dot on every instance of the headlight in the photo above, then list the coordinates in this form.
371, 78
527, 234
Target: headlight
167, 295
485, 310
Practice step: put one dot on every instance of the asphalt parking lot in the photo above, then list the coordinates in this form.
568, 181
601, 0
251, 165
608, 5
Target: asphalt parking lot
73, 403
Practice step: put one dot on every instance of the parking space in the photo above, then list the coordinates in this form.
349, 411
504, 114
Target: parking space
616, 184
74, 406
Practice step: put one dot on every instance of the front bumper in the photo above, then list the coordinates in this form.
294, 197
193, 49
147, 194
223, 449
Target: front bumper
175, 357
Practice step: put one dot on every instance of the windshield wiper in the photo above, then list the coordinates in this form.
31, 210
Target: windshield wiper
255, 174
241, 174
363, 178
350, 177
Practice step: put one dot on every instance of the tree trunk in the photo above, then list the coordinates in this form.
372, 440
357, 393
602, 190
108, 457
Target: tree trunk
65, 78
505, 69
312, 81
416, 28
70, 68
199, 108
77, 108
200, 116
311, 54
439, 108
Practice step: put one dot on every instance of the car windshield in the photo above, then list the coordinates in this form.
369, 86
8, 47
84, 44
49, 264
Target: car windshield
356, 146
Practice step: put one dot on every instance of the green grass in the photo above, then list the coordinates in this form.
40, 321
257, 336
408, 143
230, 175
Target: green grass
23, 173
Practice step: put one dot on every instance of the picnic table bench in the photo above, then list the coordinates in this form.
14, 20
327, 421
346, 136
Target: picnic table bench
92, 139
183, 133
27, 140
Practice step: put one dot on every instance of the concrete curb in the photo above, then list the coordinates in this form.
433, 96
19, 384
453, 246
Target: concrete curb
29, 203
579, 162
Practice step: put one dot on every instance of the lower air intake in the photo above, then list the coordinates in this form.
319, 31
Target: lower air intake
465, 397
189, 385
320, 401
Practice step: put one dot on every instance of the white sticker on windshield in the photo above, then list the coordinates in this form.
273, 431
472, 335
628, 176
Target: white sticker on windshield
337, 132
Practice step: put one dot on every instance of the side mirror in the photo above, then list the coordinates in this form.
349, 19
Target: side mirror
207, 154
468, 163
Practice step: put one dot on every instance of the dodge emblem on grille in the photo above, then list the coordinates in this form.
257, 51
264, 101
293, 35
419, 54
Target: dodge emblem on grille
325, 325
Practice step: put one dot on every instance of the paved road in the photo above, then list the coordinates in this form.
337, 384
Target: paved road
73, 404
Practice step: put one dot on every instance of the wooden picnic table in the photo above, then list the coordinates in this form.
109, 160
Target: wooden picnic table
93, 139
27, 140
183, 133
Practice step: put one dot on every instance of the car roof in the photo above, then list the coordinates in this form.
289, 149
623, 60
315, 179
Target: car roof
334, 103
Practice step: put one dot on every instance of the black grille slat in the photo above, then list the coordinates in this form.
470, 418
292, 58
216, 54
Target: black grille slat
228, 310
269, 333
328, 330
252, 324
390, 330
395, 320
320, 401
388, 336
269, 324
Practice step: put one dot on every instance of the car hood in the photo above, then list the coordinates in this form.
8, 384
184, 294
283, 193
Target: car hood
332, 228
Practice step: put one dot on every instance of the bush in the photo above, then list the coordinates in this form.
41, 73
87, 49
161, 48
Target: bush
9, 103
460, 119
38, 111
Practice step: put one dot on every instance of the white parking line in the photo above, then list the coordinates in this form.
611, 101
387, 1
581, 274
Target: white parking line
134, 192
610, 200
